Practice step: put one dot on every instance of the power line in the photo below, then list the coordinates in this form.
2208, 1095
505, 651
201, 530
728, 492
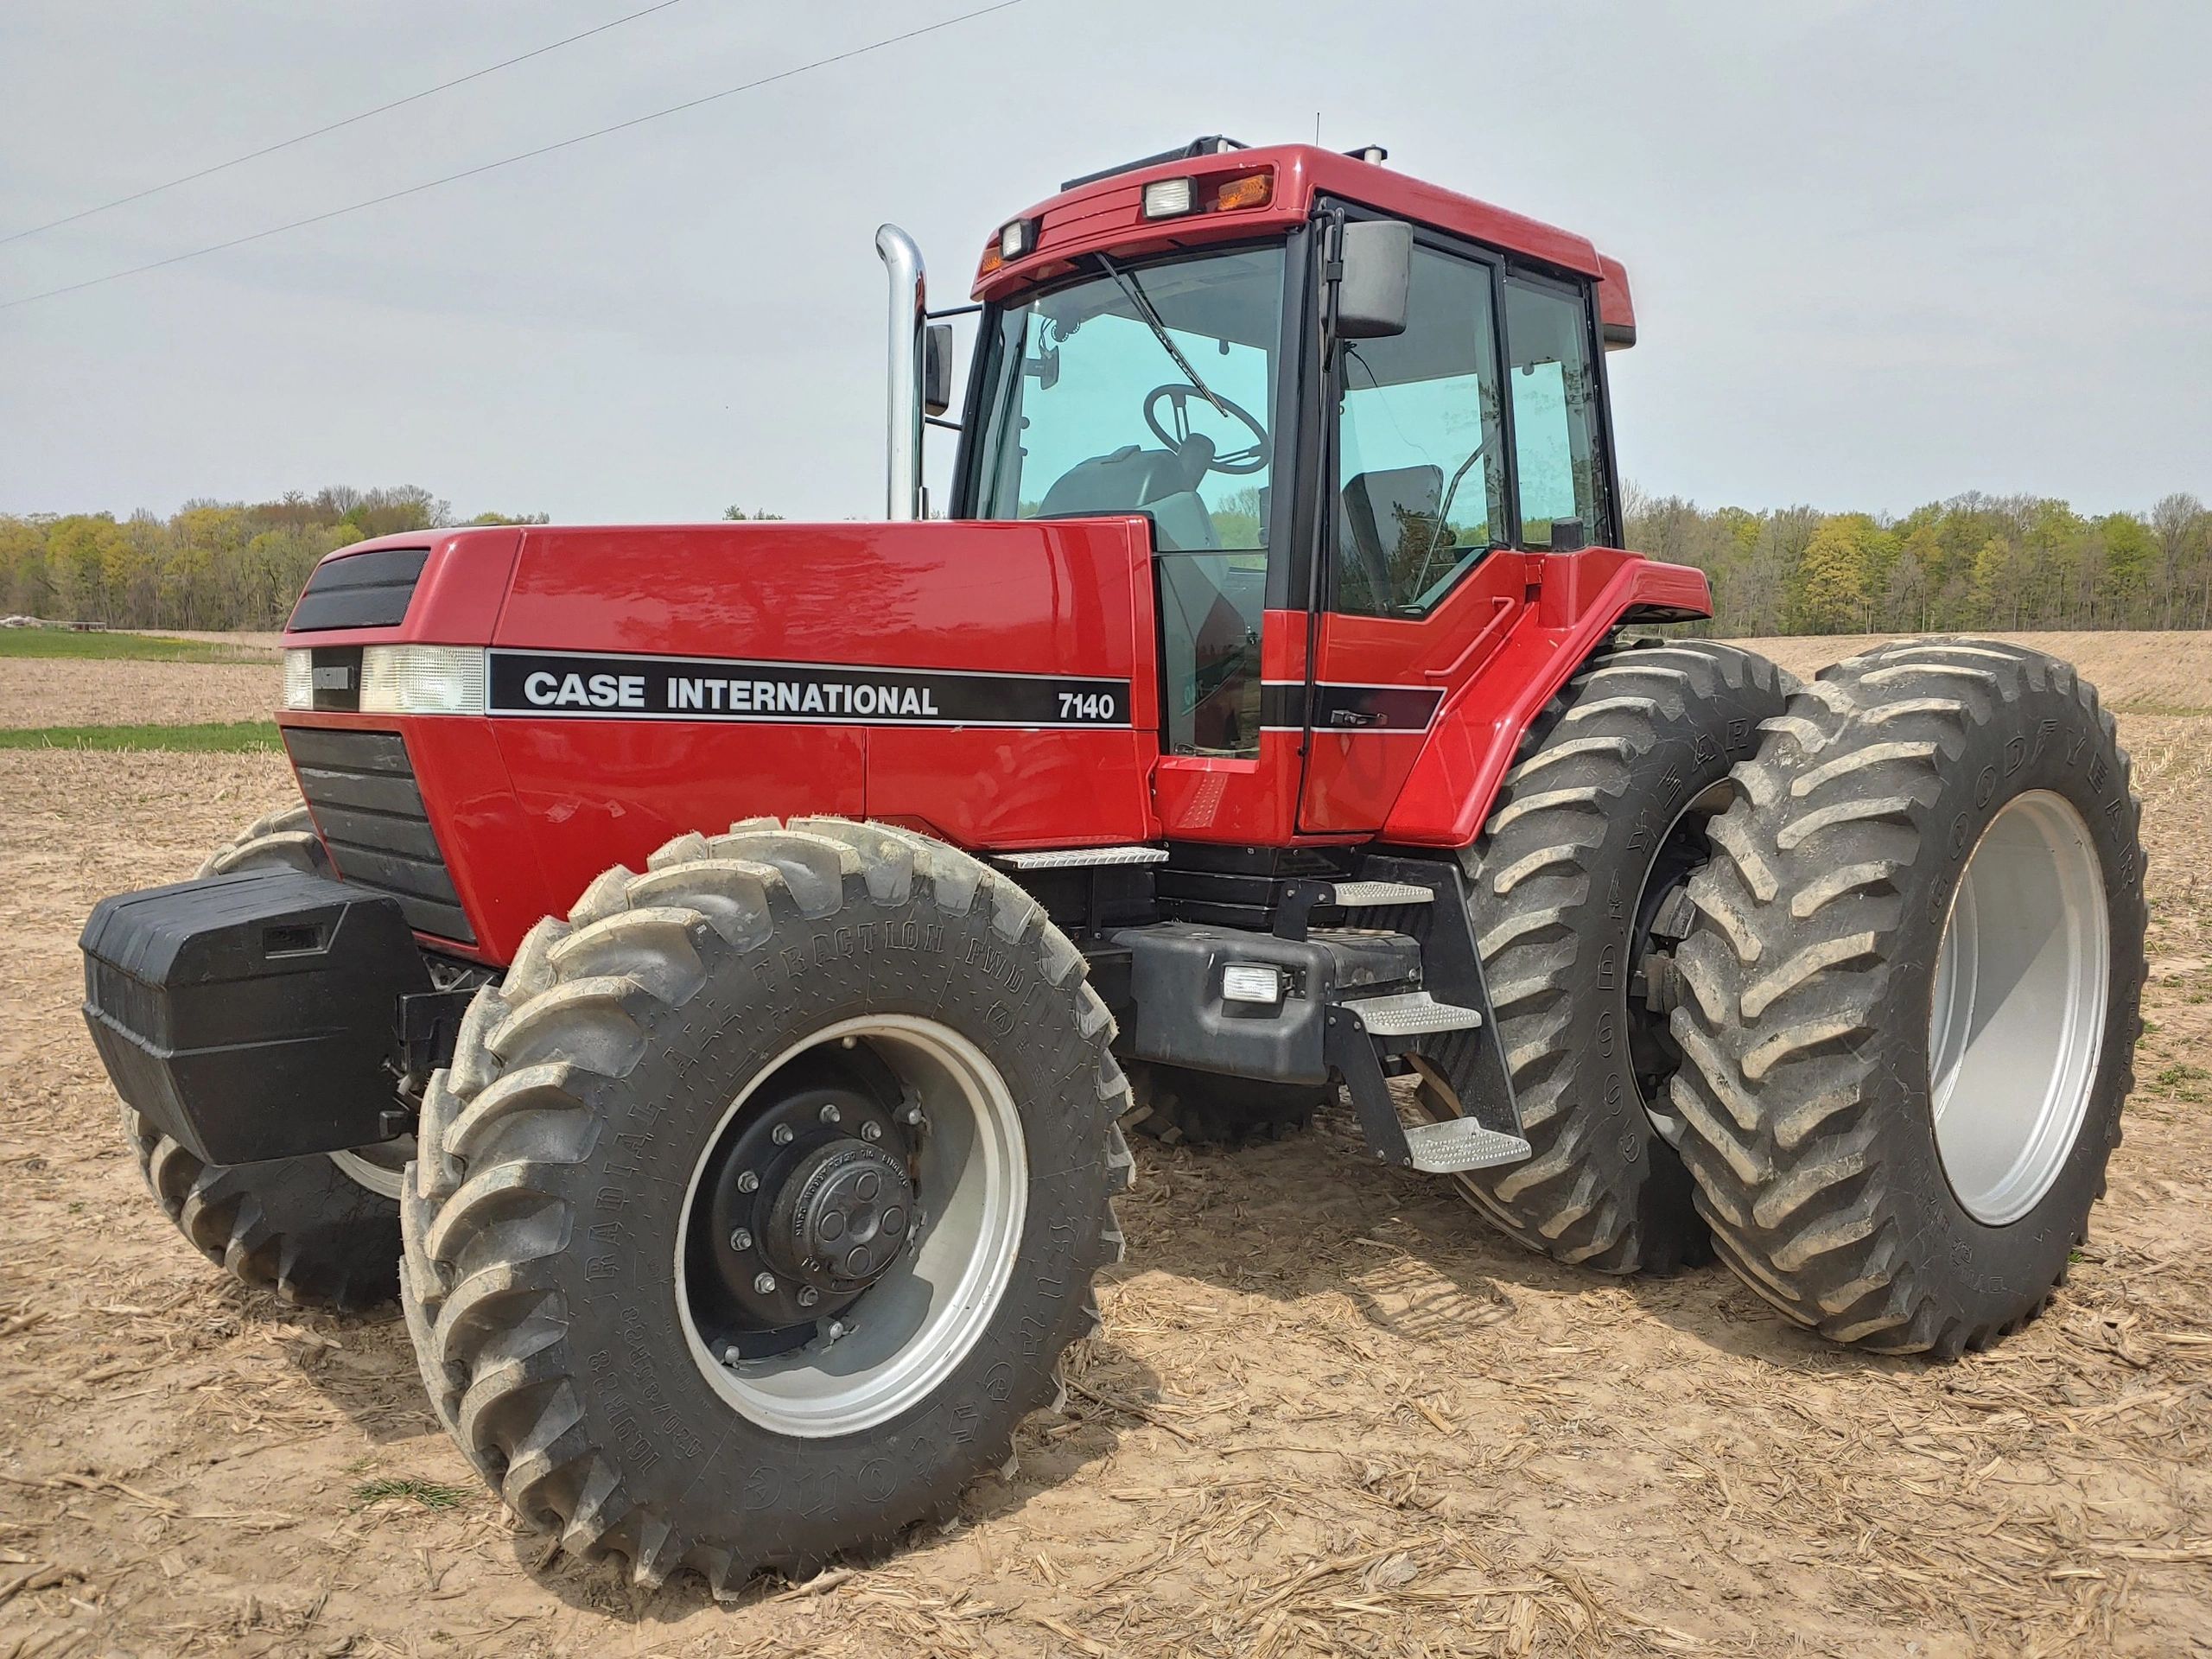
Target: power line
510, 160
381, 108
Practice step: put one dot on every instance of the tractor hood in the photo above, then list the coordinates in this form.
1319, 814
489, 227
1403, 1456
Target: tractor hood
578, 697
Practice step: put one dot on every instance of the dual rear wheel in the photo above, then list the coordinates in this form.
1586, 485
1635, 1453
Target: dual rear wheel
1838, 981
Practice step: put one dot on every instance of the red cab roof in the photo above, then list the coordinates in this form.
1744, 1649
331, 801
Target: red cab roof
1108, 213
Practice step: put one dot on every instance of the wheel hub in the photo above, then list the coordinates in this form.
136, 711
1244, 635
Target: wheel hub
808, 1204
840, 1217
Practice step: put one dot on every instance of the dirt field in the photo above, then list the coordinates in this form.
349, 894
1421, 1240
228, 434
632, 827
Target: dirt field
1331, 1412
46, 692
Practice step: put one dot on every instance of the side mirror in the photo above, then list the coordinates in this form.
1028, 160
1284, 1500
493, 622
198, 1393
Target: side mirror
1377, 256
936, 369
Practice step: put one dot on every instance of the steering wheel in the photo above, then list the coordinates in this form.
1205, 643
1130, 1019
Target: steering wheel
1252, 458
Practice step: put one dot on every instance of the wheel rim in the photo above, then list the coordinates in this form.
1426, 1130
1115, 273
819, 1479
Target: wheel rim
1652, 1051
2017, 1006
381, 1168
910, 1329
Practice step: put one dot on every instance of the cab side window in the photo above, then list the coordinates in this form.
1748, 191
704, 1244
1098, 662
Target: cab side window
1421, 466
1558, 443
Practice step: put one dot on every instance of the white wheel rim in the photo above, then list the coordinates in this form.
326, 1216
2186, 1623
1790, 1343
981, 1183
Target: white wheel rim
2017, 1008
914, 1326
381, 1168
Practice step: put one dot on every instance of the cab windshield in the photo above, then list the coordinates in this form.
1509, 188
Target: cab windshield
1151, 388
1142, 388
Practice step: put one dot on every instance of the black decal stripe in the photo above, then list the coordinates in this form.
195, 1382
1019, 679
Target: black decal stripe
604, 686
1349, 708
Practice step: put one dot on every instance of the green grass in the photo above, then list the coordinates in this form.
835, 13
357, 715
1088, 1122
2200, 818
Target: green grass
221, 737
430, 1494
132, 647
2186, 1083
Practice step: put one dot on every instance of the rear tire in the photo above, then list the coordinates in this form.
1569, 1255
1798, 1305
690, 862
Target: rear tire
1179, 1106
580, 1331
306, 1228
1602, 815
1916, 978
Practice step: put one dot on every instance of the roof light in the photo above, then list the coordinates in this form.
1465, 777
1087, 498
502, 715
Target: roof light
1251, 191
1166, 198
1014, 239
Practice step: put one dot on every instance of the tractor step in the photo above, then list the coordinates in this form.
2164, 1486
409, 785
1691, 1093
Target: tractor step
1361, 894
1458, 1144
1411, 1013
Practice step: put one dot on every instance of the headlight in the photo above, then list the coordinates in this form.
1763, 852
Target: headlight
421, 679
299, 679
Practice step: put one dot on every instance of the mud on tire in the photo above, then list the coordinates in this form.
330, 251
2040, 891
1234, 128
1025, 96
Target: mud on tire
298, 1226
549, 1205
1602, 813
1815, 1056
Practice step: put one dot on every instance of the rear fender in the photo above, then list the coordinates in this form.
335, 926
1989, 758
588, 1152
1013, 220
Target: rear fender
1580, 598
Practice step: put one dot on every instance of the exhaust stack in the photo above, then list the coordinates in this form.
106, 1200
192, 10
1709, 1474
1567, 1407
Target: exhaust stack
902, 264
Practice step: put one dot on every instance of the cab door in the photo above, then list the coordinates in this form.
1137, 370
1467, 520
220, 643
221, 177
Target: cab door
1420, 582
1465, 449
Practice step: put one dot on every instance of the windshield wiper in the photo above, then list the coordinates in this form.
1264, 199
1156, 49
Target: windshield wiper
1152, 320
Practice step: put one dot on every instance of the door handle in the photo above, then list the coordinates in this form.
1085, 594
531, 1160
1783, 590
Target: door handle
1354, 717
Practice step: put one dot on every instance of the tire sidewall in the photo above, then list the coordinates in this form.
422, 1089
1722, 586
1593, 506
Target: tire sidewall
682, 1447
2045, 740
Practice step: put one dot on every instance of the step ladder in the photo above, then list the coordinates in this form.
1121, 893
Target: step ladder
1442, 1021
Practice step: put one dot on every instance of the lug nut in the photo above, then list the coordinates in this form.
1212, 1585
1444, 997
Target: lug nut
781, 1134
828, 1113
747, 1181
871, 1131
808, 1297
765, 1283
741, 1240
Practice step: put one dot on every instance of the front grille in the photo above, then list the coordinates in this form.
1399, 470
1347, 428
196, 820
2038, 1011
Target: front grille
362, 590
360, 787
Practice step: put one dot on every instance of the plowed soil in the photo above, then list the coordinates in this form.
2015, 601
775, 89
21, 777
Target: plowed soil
1331, 1411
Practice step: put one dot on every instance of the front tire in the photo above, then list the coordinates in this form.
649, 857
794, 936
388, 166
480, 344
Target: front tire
1916, 979
647, 1271
316, 1232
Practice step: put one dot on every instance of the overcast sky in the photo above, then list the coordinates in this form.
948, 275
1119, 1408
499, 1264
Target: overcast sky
1881, 253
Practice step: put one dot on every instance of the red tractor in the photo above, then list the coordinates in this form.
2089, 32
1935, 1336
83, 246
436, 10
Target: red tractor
711, 967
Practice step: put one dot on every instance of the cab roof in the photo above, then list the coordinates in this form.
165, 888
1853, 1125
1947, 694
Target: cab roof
1105, 212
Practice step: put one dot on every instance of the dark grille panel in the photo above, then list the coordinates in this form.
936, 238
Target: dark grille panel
368, 590
361, 787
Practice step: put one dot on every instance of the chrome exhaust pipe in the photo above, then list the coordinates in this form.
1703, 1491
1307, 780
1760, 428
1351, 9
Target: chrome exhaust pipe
902, 264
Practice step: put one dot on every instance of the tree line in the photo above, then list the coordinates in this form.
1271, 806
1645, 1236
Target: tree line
1973, 562
211, 564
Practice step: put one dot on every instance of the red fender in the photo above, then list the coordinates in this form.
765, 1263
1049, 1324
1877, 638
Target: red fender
1581, 597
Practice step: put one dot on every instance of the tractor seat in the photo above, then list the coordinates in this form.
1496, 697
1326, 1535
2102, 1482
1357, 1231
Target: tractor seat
1162, 482
1380, 509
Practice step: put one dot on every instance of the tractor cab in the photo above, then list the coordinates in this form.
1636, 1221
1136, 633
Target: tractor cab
1357, 412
